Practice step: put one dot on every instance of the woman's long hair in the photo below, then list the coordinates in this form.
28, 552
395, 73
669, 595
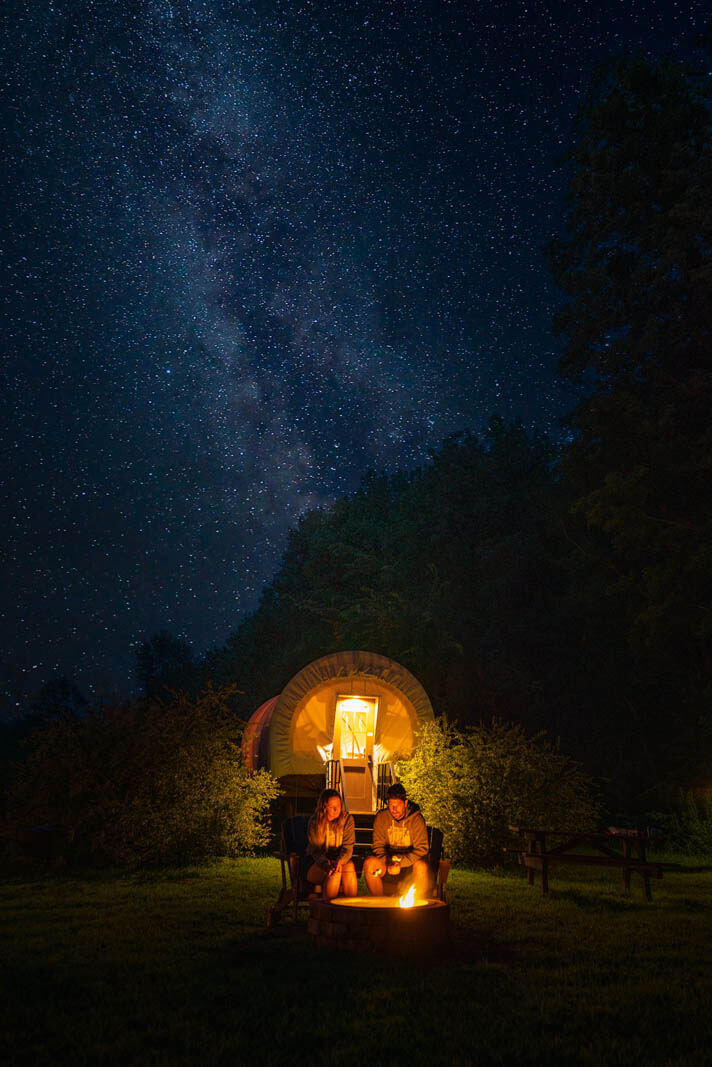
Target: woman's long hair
320, 810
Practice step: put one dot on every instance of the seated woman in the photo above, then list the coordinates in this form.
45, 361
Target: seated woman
331, 845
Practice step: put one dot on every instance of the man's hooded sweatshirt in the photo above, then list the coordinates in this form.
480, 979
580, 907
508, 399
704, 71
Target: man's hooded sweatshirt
406, 837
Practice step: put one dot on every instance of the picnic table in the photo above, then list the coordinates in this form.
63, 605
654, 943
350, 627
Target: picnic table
625, 849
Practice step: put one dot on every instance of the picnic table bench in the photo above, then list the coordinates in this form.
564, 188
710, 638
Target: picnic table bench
625, 849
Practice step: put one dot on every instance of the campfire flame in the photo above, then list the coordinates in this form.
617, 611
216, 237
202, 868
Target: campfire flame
408, 900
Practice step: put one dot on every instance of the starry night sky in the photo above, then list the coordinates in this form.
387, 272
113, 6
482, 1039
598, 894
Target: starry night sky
252, 251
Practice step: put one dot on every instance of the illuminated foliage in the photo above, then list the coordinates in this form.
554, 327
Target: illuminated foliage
475, 783
154, 783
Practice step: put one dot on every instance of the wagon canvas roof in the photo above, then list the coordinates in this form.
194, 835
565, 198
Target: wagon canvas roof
301, 718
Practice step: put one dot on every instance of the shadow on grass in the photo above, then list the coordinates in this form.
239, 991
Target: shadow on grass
467, 946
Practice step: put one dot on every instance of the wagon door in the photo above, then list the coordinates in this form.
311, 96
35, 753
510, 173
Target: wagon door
354, 732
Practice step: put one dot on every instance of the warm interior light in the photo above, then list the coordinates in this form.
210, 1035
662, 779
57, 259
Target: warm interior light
353, 704
408, 900
325, 751
354, 723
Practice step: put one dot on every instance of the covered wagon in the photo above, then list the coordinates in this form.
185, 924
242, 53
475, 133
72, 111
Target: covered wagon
342, 721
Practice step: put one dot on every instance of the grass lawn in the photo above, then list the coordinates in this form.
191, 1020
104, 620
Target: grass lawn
177, 967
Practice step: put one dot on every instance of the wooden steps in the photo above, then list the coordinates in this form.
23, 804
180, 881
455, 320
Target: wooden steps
363, 824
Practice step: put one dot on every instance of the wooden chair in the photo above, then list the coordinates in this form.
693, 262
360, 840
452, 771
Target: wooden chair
292, 855
439, 867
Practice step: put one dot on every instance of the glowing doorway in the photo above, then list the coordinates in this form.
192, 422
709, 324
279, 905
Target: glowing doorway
354, 732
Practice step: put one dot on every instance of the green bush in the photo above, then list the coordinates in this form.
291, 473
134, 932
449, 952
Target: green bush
476, 783
687, 827
155, 782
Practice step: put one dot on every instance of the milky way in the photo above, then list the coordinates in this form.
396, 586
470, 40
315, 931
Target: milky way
254, 251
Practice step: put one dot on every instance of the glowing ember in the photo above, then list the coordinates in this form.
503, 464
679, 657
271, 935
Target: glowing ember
408, 900
377, 903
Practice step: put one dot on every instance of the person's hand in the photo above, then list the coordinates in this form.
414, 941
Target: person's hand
394, 868
336, 869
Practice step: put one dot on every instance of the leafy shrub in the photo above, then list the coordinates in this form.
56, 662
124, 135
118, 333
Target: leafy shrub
476, 783
146, 783
687, 827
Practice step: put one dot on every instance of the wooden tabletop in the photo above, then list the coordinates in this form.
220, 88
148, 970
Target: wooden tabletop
590, 835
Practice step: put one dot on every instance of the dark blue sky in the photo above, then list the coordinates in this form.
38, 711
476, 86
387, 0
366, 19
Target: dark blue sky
252, 251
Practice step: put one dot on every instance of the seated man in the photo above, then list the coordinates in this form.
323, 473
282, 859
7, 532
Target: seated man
400, 845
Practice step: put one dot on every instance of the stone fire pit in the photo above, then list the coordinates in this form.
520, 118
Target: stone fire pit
380, 924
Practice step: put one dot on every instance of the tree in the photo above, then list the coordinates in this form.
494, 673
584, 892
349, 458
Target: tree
59, 696
636, 265
165, 663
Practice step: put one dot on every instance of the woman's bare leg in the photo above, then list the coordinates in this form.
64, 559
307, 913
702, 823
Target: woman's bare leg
331, 886
349, 880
